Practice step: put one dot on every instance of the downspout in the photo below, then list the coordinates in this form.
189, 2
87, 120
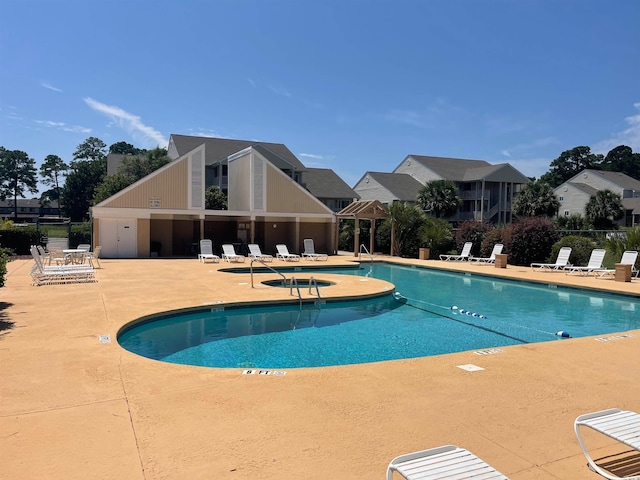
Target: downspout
482, 203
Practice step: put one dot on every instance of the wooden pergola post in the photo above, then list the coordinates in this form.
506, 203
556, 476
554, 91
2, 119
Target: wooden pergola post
366, 210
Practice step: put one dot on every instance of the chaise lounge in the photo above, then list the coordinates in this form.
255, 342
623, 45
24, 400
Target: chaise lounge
562, 261
446, 462
464, 254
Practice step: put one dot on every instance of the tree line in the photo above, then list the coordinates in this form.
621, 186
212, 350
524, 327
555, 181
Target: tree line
81, 183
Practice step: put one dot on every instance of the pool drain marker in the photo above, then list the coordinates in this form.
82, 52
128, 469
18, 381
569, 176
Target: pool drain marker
104, 338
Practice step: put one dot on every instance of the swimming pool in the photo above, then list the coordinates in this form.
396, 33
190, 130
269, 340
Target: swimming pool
443, 313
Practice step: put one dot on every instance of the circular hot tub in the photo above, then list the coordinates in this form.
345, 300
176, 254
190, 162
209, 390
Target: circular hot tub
302, 282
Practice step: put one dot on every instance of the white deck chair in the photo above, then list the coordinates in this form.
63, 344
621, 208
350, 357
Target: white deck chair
595, 263
310, 251
620, 425
229, 254
95, 255
438, 463
497, 250
59, 274
255, 252
562, 261
629, 257
464, 254
206, 252
282, 252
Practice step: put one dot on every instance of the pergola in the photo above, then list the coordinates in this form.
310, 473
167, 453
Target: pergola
364, 210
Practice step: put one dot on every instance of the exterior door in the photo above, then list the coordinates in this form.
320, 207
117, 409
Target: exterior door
118, 238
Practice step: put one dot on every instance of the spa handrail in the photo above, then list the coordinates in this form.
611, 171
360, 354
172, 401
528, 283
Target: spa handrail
312, 282
284, 279
291, 282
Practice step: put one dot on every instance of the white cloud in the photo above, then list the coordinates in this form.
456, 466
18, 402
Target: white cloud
311, 155
280, 91
129, 122
63, 126
205, 133
506, 153
251, 82
50, 87
629, 136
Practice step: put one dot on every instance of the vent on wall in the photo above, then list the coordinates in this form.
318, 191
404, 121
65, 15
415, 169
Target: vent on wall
197, 191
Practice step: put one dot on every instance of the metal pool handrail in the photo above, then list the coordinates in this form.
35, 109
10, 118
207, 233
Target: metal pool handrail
312, 282
284, 279
291, 282
363, 247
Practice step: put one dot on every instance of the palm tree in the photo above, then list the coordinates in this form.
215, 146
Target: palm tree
406, 220
440, 198
604, 208
536, 199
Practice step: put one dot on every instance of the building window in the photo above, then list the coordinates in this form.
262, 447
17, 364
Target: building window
561, 199
567, 213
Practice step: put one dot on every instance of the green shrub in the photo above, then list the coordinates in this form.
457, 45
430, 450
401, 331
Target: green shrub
437, 236
80, 233
581, 248
19, 239
530, 240
472, 231
4, 258
496, 235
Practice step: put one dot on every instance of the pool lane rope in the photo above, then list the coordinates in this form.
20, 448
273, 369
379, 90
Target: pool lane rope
461, 311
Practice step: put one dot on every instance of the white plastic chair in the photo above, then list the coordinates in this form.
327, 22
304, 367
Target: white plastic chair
620, 425
562, 261
206, 252
497, 250
310, 251
595, 263
282, 252
229, 254
255, 252
464, 254
443, 462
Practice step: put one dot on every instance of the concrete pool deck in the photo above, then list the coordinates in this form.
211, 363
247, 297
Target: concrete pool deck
72, 407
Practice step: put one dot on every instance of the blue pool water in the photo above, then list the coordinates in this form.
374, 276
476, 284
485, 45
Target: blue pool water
488, 313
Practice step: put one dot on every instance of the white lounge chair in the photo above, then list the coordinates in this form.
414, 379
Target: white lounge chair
282, 252
229, 254
58, 274
464, 254
621, 425
255, 252
497, 250
595, 263
206, 252
562, 261
443, 462
629, 257
310, 251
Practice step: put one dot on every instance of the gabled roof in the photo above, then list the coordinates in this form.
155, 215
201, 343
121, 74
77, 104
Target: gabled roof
325, 183
402, 185
583, 187
220, 148
449, 168
623, 180
364, 209
502, 172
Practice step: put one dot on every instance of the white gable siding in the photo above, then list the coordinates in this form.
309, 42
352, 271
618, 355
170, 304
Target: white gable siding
370, 189
417, 170
596, 181
196, 161
574, 200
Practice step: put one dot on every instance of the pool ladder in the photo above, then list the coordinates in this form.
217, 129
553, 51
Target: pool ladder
312, 284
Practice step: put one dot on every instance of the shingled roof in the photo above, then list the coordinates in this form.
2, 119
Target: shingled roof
325, 183
450, 168
220, 148
403, 186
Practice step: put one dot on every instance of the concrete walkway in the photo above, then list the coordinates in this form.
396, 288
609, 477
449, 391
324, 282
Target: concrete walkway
72, 407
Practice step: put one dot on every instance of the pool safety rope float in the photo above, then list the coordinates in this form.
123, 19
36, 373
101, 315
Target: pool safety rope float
469, 313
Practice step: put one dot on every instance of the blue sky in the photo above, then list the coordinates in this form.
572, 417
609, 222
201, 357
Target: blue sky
350, 85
